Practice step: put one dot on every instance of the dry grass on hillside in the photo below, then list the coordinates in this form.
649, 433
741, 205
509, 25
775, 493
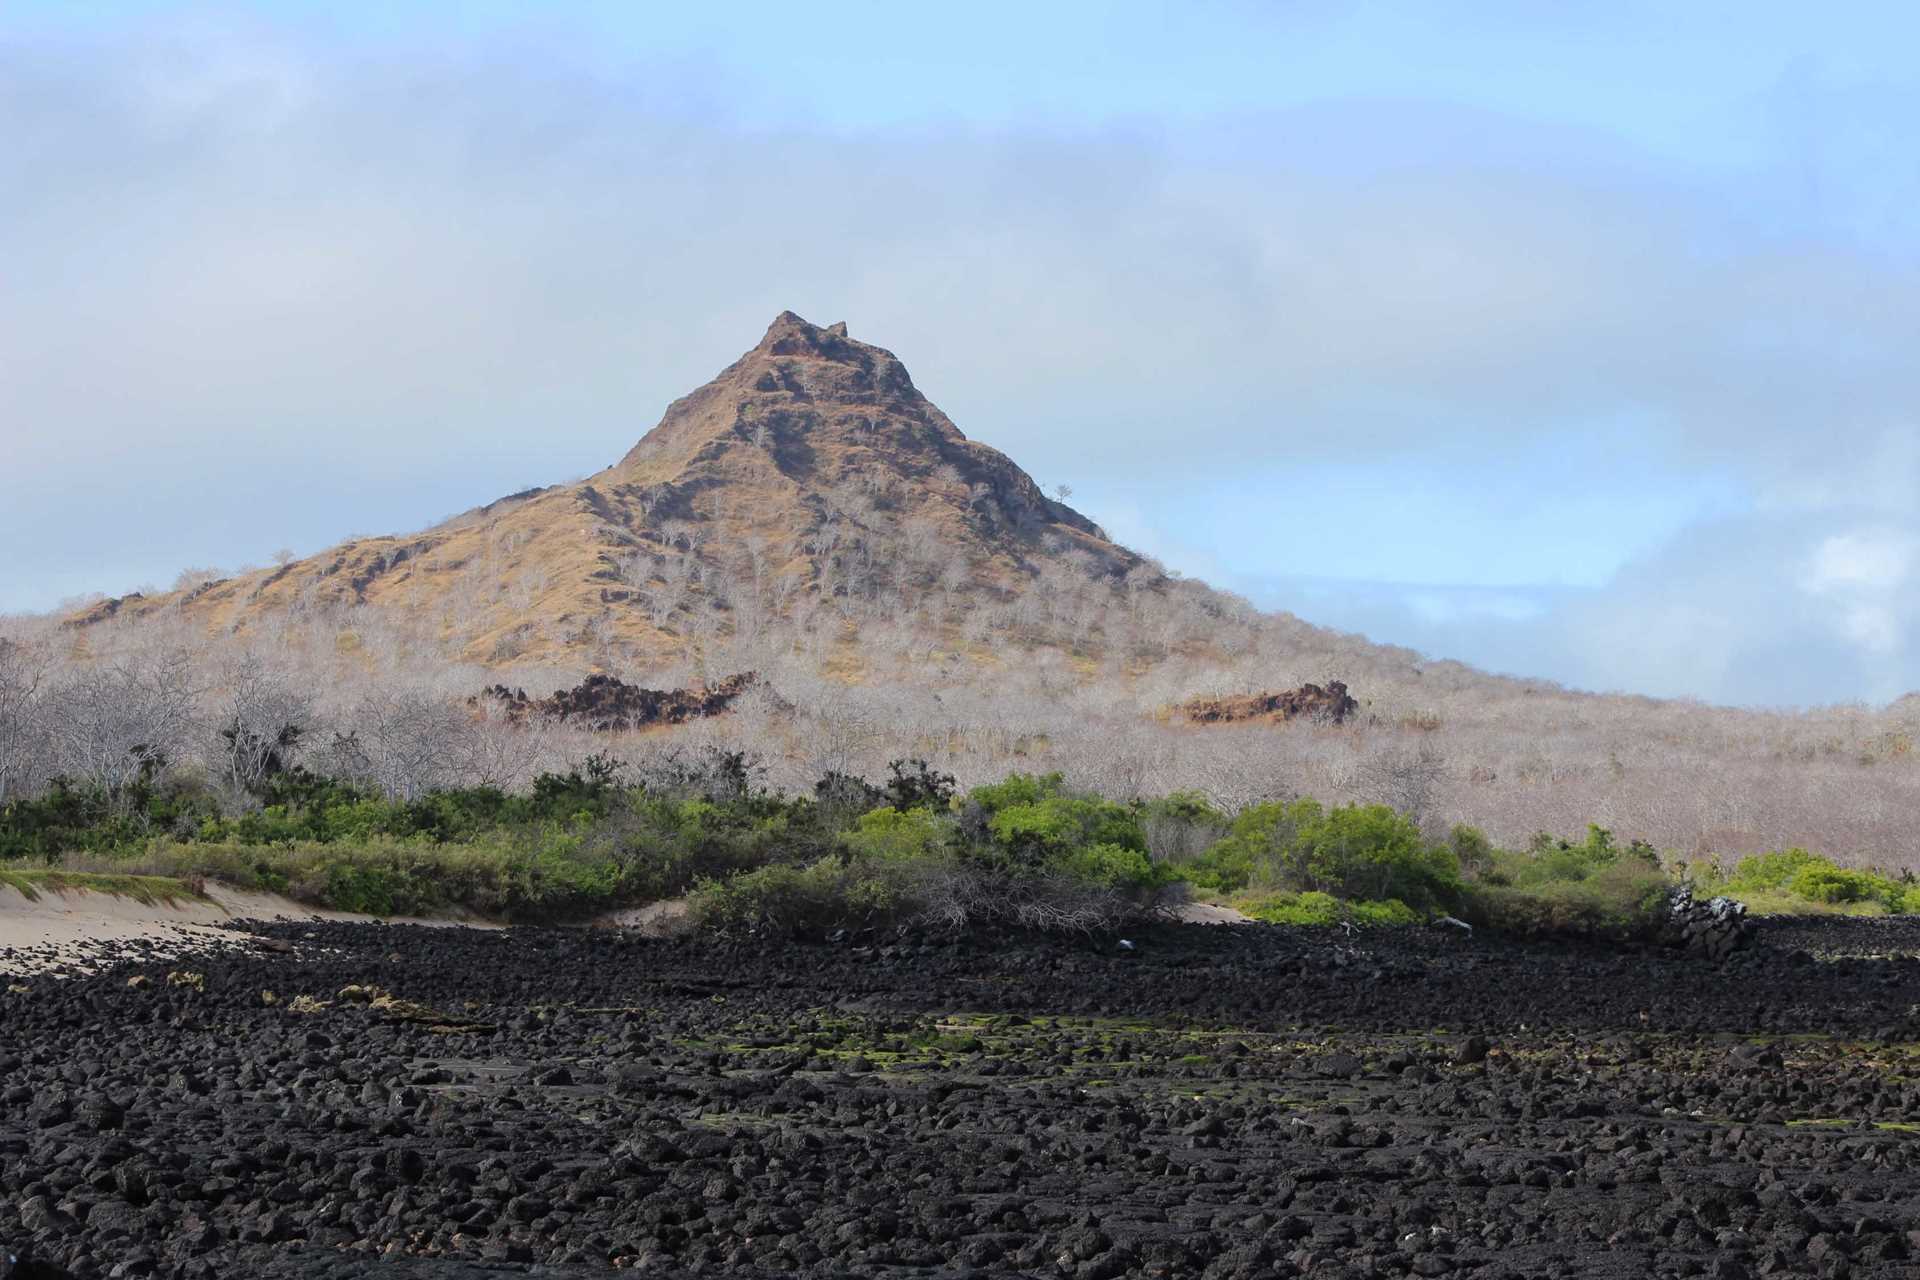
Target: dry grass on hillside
982, 695
808, 515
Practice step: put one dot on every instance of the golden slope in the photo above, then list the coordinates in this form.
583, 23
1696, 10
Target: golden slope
810, 468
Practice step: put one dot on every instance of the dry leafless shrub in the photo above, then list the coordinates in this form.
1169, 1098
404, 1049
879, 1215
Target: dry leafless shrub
1067, 676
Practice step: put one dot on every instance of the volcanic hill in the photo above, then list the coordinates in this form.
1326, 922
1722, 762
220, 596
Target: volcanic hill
811, 469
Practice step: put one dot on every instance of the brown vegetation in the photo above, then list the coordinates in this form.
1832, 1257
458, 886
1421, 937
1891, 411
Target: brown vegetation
810, 517
809, 475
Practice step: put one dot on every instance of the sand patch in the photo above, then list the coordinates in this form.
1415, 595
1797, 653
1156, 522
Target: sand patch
668, 918
1209, 913
67, 927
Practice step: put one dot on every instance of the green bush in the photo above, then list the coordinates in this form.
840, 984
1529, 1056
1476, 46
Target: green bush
1181, 827
1315, 908
1369, 852
70, 817
1773, 870
1793, 880
1030, 826
1255, 847
295, 806
1026, 850
1833, 884
1472, 851
1391, 912
1226, 867
1016, 789
890, 835
1625, 901
1556, 888
1185, 806
579, 843
1359, 852
1112, 866
786, 899
1036, 832
665, 845
531, 876
1552, 861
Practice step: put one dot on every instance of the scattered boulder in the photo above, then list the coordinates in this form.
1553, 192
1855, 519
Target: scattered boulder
1471, 1050
1342, 1066
16, 1263
1713, 929
1223, 1104
101, 1111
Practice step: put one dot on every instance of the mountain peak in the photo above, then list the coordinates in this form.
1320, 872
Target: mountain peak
800, 381
810, 467
792, 335
810, 416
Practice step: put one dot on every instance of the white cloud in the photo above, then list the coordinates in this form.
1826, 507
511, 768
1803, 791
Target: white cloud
1862, 577
1874, 628
235, 257
1860, 561
1763, 609
1472, 605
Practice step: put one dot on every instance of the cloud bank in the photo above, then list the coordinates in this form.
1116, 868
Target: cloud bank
263, 288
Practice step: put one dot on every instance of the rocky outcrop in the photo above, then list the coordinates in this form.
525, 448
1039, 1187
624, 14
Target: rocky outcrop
101, 611
607, 704
1713, 929
1331, 704
690, 1097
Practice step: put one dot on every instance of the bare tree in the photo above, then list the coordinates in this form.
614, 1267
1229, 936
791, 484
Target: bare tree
23, 742
526, 588
115, 724
1237, 769
189, 579
1406, 779
403, 741
261, 717
492, 750
841, 727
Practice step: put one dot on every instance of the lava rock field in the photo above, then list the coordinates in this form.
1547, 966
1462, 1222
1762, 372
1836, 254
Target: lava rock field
344, 1100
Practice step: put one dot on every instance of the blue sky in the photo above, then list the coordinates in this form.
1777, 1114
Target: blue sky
1571, 340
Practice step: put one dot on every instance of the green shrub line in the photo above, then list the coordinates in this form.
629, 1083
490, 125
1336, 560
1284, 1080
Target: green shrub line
1794, 881
1029, 851
1316, 908
33, 882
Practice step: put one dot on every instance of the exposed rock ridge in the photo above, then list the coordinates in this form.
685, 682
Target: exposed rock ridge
1310, 701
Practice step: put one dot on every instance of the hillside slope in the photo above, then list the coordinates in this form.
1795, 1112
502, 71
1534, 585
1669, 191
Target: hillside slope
810, 469
810, 517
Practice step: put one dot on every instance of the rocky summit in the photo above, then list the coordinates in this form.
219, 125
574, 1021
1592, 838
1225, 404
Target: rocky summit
807, 470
